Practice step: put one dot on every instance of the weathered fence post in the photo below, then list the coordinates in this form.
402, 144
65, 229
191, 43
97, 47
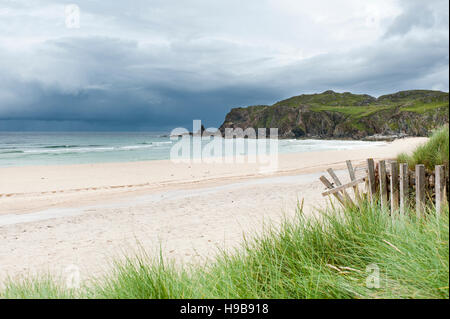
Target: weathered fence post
420, 189
396, 193
328, 185
338, 183
394, 187
371, 179
383, 185
404, 187
440, 187
351, 172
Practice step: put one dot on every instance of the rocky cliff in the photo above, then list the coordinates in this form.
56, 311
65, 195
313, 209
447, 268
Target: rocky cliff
346, 115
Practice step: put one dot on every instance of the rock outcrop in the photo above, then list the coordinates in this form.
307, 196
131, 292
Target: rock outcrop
346, 115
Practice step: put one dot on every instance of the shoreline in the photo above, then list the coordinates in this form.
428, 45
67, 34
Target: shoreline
81, 159
30, 188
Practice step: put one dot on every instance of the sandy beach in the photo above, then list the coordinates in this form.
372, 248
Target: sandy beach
52, 217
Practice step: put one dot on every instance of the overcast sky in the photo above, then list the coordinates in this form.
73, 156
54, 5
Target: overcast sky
154, 65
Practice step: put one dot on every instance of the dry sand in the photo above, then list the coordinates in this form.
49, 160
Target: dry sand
52, 217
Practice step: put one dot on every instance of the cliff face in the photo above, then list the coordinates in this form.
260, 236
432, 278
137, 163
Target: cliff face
345, 115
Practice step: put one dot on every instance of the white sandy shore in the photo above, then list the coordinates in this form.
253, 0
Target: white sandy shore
84, 215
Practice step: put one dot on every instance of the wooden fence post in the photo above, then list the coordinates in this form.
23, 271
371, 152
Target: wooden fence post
394, 187
420, 189
383, 184
328, 185
404, 187
338, 183
440, 187
371, 179
351, 172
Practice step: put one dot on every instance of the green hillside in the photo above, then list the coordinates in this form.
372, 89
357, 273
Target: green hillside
346, 115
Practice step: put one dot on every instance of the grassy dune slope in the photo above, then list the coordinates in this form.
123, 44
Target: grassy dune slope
434, 152
304, 258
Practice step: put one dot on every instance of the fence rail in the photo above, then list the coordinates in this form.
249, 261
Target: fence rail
392, 184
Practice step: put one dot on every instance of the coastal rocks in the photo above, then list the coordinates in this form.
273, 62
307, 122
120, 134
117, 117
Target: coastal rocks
387, 138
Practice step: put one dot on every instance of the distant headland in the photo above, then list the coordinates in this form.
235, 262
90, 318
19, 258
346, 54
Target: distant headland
334, 115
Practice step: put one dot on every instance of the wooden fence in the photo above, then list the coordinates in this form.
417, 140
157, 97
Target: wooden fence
393, 185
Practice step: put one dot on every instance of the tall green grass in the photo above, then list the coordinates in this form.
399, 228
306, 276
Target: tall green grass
434, 152
328, 256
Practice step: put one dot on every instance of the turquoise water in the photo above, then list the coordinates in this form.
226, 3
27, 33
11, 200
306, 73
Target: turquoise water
56, 148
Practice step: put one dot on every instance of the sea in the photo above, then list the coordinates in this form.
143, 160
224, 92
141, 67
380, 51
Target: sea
60, 148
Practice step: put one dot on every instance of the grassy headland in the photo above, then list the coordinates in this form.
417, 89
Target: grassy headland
346, 115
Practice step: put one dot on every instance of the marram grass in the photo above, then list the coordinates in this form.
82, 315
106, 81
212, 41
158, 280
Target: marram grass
353, 253
432, 153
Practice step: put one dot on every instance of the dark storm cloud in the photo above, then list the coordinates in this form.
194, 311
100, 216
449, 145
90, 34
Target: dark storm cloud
125, 88
418, 14
147, 70
387, 67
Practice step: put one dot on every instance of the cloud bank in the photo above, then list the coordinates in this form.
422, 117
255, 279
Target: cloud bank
155, 65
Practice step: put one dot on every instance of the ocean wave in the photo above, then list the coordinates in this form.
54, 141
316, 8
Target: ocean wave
161, 143
68, 150
156, 143
135, 147
70, 146
144, 145
60, 146
11, 152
